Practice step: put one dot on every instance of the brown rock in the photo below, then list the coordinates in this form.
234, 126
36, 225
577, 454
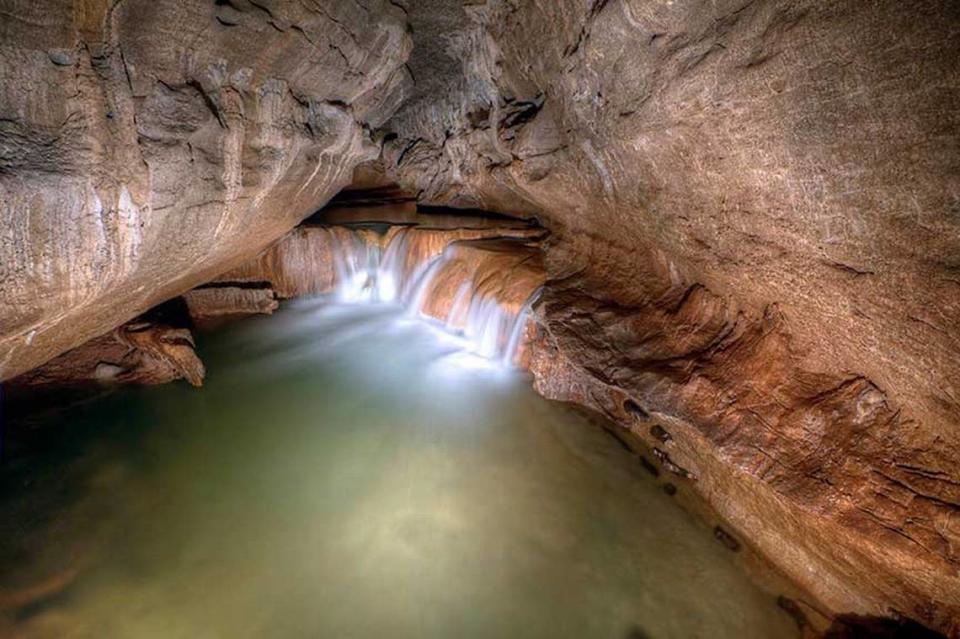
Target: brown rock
161, 349
303, 262
507, 271
725, 538
216, 301
168, 143
138, 353
752, 208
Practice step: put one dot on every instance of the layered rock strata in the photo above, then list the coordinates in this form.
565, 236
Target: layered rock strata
148, 145
477, 276
140, 352
486, 286
752, 207
217, 300
304, 262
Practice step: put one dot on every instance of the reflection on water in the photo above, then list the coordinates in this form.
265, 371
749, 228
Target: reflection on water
346, 472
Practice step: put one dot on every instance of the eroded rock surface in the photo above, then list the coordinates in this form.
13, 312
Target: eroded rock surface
754, 260
476, 276
148, 145
485, 288
140, 352
214, 301
304, 262
753, 209
506, 270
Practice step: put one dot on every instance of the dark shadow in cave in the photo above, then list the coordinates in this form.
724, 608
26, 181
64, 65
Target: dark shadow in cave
867, 627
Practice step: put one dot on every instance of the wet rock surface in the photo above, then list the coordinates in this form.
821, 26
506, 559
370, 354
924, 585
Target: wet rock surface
754, 253
753, 234
215, 301
304, 262
476, 276
509, 271
861, 627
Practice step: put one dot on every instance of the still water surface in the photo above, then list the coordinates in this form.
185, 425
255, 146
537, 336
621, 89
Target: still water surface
348, 473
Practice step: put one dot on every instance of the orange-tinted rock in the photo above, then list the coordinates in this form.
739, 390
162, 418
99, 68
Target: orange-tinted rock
303, 262
818, 472
508, 271
754, 233
148, 145
138, 353
215, 301
753, 208
454, 269
484, 288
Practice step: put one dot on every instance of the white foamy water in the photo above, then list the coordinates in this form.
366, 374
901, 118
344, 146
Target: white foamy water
369, 274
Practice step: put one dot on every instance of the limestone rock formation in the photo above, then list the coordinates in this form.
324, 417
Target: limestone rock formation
301, 263
148, 145
488, 281
477, 276
140, 352
304, 262
214, 301
755, 236
505, 270
754, 259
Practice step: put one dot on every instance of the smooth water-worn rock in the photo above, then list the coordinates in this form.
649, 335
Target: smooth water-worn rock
485, 290
753, 209
304, 262
140, 352
214, 301
476, 276
149, 145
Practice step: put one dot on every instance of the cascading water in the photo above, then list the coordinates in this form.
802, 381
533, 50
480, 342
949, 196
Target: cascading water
519, 327
363, 272
387, 269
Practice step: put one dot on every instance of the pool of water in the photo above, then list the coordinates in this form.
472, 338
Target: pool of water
346, 472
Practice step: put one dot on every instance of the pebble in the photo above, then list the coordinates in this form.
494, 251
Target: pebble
60, 58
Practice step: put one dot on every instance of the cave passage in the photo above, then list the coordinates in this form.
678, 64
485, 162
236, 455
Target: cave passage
350, 472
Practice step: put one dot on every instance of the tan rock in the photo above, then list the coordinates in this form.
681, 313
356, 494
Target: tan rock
216, 301
507, 271
137, 353
149, 145
303, 261
752, 208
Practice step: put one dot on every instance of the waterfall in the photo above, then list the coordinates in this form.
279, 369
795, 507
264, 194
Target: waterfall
519, 328
463, 287
365, 273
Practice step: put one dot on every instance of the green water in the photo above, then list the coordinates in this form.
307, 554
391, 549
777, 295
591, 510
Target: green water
345, 473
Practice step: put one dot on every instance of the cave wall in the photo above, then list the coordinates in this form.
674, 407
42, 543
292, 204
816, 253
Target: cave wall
148, 145
756, 234
753, 206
